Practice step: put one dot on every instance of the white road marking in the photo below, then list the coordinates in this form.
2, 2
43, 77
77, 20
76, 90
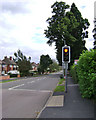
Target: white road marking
31, 82
35, 90
39, 79
15, 87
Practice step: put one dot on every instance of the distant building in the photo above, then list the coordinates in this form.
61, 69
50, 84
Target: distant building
75, 62
4, 67
8, 64
35, 66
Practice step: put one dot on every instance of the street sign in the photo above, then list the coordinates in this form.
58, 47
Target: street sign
66, 54
64, 65
75, 62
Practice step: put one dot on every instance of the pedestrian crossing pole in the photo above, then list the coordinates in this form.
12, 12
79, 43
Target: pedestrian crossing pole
66, 65
65, 61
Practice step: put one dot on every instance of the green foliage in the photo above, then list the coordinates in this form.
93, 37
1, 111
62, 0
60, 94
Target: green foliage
4, 81
59, 87
86, 71
23, 63
45, 62
68, 26
73, 72
94, 31
54, 67
61, 81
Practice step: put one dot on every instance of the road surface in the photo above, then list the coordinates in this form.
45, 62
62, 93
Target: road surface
25, 98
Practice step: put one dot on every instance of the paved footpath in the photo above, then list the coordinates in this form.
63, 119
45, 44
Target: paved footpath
74, 105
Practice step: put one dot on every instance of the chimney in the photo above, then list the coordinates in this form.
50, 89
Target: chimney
5, 57
10, 58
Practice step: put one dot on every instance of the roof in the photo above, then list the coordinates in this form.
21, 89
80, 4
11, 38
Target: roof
34, 64
2, 62
9, 62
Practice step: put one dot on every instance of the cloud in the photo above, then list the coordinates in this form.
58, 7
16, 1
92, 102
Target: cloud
22, 25
89, 43
36, 50
14, 6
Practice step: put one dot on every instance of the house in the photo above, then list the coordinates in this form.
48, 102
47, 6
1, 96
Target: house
3, 69
34, 66
8, 64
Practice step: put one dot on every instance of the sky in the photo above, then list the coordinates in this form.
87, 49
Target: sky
22, 25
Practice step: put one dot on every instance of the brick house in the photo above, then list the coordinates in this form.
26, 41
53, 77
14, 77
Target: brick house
35, 66
3, 68
8, 64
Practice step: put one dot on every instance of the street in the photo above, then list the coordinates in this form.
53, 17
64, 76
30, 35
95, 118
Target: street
26, 98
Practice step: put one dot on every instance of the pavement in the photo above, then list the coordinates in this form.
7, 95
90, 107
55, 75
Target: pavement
69, 105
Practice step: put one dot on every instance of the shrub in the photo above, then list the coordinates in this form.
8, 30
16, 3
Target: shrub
25, 73
73, 72
86, 71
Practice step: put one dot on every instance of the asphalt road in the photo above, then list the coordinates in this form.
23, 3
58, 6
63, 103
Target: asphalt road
25, 98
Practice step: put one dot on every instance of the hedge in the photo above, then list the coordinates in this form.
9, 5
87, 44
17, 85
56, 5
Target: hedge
73, 72
86, 71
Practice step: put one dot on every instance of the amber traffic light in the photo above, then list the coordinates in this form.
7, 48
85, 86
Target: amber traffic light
66, 54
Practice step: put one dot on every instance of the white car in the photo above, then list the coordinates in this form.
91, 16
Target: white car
14, 72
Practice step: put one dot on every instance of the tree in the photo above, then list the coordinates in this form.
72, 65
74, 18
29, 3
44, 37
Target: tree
65, 28
45, 61
54, 66
23, 63
79, 32
94, 31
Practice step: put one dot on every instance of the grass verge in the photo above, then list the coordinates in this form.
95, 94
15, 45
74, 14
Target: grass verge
61, 81
4, 81
60, 87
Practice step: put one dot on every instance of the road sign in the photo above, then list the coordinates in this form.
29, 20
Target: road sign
64, 65
75, 62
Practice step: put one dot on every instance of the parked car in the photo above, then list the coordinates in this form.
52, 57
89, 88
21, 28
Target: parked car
13, 72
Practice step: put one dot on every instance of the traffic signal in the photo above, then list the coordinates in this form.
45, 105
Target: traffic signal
66, 53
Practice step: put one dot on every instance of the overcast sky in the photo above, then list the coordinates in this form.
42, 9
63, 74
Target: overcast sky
22, 24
